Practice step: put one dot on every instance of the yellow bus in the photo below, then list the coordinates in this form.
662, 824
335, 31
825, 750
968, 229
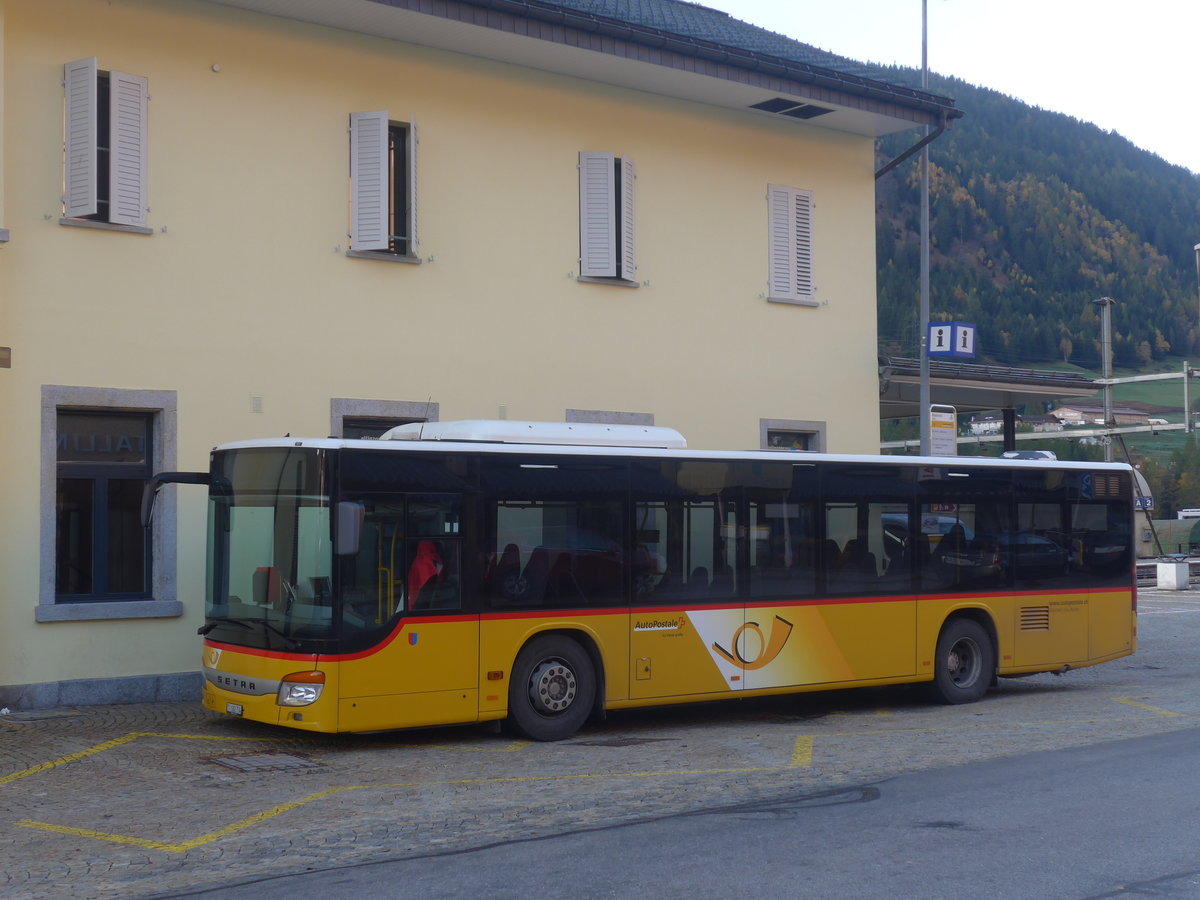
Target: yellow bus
543, 574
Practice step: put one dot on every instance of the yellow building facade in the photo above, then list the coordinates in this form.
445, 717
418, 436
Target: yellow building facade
578, 222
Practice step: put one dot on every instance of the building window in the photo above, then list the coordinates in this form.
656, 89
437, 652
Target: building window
790, 233
368, 428
606, 217
350, 418
98, 448
101, 549
383, 187
791, 434
105, 128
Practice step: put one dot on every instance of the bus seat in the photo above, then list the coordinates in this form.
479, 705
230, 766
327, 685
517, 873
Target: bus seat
535, 576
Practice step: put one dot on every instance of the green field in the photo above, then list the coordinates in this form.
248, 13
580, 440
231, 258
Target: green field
1167, 398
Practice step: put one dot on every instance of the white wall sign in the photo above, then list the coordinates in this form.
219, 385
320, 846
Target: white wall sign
943, 430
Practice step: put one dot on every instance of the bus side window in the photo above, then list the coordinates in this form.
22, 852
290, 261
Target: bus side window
554, 553
783, 550
684, 550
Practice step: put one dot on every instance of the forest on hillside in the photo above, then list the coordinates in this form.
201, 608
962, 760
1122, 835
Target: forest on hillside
1033, 215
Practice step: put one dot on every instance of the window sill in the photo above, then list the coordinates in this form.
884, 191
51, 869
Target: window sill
615, 282
795, 301
384, 256
123, 609
104, 226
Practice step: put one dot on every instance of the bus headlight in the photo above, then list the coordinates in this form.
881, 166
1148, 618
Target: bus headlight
301, 688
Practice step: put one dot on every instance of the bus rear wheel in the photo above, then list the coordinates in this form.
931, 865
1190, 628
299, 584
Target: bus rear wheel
552, 689
964, 663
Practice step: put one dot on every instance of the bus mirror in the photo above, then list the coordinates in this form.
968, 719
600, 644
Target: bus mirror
349, 527
150, 489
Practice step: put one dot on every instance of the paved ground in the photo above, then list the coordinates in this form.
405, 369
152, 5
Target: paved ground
159, 800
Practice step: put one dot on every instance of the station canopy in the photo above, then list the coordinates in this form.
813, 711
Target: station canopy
971, 388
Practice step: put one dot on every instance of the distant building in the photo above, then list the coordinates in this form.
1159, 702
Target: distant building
1042, 423
993, 423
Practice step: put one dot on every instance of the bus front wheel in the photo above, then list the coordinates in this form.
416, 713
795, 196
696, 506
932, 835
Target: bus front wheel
964, 663
552, 689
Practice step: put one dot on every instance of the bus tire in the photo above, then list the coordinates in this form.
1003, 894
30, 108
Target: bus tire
552, 689
964, 663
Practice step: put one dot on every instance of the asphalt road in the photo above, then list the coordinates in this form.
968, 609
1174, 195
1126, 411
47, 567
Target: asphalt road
810, 795
1116, 819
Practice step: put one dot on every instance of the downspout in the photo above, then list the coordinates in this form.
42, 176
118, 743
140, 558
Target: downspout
915, 148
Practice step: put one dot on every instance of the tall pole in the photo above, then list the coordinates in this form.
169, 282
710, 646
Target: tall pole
1187, 372
1106, 304
925, 399
1197, 249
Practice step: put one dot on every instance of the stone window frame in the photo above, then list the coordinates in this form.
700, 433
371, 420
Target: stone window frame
163, 407
342, 408
816, 428
608, 417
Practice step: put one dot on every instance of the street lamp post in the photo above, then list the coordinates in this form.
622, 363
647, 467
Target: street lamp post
925, 399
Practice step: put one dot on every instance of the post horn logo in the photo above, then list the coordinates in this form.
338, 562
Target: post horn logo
769, 649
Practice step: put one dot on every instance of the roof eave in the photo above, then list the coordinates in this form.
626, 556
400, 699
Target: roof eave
546, 36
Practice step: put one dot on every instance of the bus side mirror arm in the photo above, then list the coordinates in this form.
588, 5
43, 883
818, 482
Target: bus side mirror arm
150, 491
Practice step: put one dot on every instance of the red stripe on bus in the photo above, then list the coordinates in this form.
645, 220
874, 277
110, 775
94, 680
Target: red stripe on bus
410, 622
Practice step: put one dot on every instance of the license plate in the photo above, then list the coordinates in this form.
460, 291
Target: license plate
234, 709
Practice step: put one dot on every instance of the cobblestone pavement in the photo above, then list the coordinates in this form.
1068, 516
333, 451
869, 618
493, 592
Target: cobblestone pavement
158, 800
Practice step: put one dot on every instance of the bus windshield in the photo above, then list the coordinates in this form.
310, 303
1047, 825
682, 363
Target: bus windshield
270, 550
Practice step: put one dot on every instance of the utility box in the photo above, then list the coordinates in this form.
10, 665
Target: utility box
1173, 576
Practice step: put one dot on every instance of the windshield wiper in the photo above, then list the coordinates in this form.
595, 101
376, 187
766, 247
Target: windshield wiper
288, 641
214, 621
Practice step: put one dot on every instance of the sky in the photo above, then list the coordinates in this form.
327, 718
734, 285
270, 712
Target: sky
1132, 66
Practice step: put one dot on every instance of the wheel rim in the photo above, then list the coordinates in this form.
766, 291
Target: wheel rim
552, 687
964, 662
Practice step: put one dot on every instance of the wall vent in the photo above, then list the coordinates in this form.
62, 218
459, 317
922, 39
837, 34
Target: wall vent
797, 109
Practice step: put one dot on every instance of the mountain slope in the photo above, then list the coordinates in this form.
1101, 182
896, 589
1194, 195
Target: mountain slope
1034, 215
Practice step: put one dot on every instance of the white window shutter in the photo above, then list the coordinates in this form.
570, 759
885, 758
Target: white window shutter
789, 228
628, 268
127, 154
414, 248
369, 180
597, 216
802, 208
79, 197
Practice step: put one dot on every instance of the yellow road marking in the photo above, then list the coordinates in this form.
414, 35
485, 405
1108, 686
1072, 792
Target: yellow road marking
1166, 713
232, 828
82, 754
802, 753
135, 735
801, 758
117, 742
